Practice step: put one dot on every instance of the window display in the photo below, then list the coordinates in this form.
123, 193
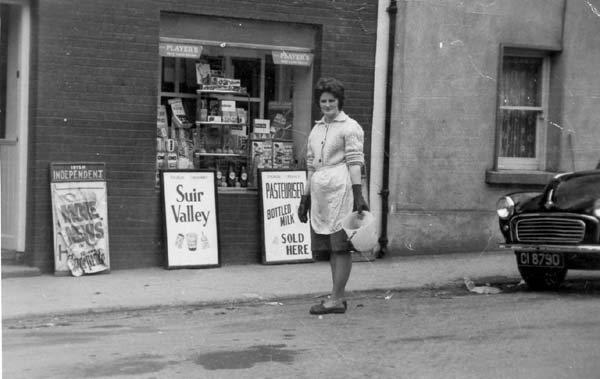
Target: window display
232, 110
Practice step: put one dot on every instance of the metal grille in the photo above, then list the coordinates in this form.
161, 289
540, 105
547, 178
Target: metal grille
550, 230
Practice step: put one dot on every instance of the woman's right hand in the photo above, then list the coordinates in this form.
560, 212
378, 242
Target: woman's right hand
303, 208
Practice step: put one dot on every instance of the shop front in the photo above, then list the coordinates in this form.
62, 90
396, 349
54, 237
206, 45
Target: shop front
236, 105
146, 88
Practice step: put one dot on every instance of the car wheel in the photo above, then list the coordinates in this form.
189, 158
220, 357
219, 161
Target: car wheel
542, 278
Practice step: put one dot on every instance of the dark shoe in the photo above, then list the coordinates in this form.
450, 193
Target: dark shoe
321, 309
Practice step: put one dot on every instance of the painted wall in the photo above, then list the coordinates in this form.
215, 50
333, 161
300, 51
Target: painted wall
94, 94
443, 127
578, 70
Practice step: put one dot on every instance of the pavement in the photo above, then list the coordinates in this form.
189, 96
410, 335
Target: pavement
30, 294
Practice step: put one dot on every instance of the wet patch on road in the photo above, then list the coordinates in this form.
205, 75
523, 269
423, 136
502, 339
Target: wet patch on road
131, 365
246, 358
63, 333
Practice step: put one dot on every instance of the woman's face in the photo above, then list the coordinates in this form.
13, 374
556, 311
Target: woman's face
329, 105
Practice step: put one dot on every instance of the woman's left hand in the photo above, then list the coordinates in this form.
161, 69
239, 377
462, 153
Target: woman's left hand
360, 204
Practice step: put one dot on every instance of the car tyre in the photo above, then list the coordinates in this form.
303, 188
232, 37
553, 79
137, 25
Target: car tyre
542, 278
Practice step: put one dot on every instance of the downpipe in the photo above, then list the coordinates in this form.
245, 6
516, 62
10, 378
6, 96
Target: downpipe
392, 11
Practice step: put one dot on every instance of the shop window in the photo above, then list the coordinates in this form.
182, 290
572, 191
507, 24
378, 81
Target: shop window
233, 110
522, 110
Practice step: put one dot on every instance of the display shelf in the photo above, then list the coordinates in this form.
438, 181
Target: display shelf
224, 92
229, 136
198, 123
221, 155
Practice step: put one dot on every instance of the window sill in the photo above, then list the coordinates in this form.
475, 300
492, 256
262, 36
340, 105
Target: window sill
518, 177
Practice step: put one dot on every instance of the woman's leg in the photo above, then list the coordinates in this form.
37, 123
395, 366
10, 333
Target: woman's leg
341, 265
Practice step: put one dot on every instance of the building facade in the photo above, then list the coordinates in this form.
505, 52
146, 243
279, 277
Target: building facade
97, 71
489, 98
484, 98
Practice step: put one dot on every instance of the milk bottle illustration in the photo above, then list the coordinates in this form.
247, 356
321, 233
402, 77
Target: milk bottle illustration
204, 241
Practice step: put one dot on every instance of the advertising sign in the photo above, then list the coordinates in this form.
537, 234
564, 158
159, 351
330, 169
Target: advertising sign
292, 58
190, 218
80, 218
285, 238
179, 50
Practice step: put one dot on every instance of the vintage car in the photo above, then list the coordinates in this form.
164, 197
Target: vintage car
555, 230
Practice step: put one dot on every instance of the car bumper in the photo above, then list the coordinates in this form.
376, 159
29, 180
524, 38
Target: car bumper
583, 249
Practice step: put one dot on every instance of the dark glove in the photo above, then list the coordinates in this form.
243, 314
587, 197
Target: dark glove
360, 204
303, 208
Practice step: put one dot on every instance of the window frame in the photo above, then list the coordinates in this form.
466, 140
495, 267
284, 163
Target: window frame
537, 163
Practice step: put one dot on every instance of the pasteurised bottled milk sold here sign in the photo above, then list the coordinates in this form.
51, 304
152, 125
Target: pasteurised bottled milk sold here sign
80, 219
190, 218
285, 238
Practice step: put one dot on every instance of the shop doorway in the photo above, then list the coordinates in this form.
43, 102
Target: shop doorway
14, 97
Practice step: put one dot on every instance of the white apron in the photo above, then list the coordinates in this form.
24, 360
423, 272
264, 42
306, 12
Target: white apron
331, 198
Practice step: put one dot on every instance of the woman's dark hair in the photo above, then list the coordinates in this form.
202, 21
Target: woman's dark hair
333, 86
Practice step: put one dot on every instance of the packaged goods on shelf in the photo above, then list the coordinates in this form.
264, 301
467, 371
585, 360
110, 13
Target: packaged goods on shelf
181, 133
172, 161
161, 158
228, 111
261, 129
242, 115
239, 130
218, 82
203, 116
214, 107
202, 73
162, 130
281, 116
179, 119
239, 134
160, 144
223, 82
262, 153
161, 120
202, 110
283, 154
170, 145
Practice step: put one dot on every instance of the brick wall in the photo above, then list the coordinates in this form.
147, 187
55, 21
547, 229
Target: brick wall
94, 94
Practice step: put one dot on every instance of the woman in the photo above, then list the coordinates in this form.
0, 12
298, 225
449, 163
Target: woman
334, 160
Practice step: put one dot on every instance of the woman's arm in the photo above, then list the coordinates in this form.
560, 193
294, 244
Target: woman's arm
355, 174
309, 175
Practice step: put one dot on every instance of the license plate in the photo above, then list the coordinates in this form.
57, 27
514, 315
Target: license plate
540, 259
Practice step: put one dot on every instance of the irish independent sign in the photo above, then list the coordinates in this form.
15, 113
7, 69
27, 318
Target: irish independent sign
79, 214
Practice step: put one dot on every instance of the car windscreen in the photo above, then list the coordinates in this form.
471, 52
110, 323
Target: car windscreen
577, 190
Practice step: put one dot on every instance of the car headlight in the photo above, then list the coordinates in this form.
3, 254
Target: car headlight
596, 210
505, 207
